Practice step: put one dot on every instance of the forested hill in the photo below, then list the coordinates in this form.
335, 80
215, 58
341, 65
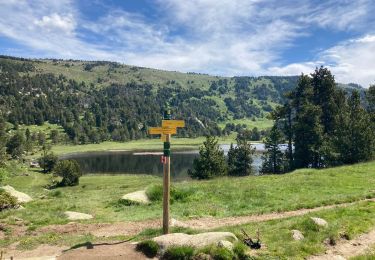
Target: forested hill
96, 101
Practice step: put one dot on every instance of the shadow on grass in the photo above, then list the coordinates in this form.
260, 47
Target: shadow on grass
90, 245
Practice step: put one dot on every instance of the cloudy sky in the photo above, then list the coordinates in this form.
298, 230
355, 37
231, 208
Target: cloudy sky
220, 37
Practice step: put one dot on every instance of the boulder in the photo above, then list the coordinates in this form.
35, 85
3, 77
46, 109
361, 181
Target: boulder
225, 244
297, 235
139, 197
197, 241
20, 196
71, 215
320, 222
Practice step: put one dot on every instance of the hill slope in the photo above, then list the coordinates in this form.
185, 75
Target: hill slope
95, 101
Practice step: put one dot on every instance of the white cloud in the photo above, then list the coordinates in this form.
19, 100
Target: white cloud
227, 37
53, 22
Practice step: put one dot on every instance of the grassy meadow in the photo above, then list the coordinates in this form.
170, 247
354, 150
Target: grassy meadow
100, 196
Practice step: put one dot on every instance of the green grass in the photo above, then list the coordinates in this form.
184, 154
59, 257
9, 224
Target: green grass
99, 195
276, 235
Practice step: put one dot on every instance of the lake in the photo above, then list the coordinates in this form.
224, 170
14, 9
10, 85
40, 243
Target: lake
145, 162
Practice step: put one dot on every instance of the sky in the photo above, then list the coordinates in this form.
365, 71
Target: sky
218, 37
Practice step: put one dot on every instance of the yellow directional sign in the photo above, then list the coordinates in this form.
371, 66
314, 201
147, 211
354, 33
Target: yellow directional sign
163, 137
173, 123
155, 130
169, 130
162, 130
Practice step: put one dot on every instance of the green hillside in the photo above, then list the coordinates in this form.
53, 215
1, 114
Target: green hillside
97, 101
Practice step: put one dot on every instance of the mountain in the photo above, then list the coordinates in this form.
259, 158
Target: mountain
98, 100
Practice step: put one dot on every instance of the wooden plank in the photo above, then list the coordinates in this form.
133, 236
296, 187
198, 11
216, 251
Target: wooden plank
173, 123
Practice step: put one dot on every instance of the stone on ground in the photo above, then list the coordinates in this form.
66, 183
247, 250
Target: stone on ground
21, 197
176, 223
297, 235
71, 215
137, 197
225, 244
320, 222
197, 241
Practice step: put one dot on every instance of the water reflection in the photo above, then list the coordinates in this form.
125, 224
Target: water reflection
143, 162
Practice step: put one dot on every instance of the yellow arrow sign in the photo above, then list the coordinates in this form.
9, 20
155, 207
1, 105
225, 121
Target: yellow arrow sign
155, 130
163, 137
162, 130
173, 123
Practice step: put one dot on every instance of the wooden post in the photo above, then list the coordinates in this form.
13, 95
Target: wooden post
166, 190
168, 128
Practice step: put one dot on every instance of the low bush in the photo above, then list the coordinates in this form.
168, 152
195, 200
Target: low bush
70, 172
178, 253
6, 200
148, 247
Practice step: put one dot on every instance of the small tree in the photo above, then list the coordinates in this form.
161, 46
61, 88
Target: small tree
48, 162
70, 172
16, 145
273, 157
240, 158
211, 160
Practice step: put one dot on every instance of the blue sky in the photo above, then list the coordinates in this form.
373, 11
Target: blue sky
219, 37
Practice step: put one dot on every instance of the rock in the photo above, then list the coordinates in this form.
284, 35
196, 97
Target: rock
137, 197
21, 197
297, 235
197, 241
71, 215
176, 223
225, 244
42, 197
320, 222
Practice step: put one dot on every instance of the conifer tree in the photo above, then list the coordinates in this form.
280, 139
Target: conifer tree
211, 161
240, 158
273, 157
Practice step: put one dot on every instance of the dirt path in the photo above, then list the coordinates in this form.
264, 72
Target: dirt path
345, 249
118, 251
133, 228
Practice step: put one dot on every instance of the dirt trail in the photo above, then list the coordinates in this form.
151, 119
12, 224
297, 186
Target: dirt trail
119, 251
345, 249
133, 228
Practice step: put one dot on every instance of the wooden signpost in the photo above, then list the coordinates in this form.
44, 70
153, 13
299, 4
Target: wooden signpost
169, 127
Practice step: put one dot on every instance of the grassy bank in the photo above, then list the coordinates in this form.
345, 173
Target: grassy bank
144, 144
99, 194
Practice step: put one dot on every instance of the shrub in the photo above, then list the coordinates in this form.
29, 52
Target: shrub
48, 162
70, 172
6, 200
178, 253
148, 247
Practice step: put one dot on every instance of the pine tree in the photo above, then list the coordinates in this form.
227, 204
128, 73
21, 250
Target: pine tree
273, 157
240, 158
211, 161
355, 138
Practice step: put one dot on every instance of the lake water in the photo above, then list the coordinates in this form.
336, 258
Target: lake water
117, 162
